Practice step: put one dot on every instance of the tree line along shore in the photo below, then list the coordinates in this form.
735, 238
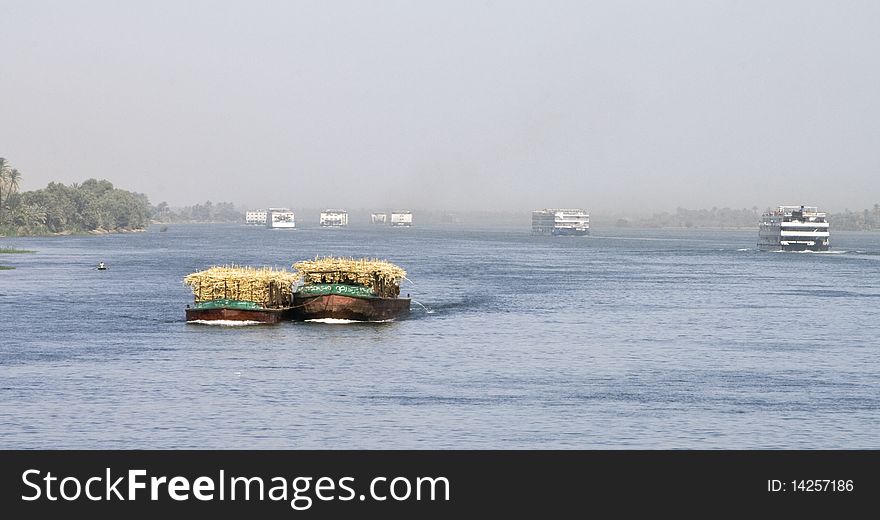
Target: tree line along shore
78, 208
96, 206
93, 206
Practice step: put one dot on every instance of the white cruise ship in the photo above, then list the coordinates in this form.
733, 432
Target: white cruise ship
401, 218
255, 217
560, 222
334, 218
280, 218
793, 228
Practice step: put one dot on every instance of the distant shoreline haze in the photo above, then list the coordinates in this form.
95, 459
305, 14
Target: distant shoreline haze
97, 206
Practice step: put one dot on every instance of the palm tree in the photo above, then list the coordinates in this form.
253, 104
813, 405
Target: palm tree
4, 167
13, 178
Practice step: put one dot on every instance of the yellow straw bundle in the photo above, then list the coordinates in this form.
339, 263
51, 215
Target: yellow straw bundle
381, 276
266, 286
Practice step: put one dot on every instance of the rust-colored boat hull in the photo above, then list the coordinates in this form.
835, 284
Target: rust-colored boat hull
260, 315
342, 307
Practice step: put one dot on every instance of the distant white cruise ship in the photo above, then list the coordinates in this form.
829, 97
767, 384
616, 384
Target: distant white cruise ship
255, 217
280, 218
401, 218
793, 228
334, 218
560, 222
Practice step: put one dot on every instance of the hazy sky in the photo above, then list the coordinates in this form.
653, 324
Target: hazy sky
503, 105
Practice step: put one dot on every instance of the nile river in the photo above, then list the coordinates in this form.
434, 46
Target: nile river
625, 339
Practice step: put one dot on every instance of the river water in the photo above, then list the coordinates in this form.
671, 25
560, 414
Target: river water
628, 339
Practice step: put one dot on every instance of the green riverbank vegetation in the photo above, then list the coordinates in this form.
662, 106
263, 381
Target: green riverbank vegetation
91, 206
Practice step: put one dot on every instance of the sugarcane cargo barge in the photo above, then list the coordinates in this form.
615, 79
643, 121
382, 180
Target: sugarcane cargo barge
233, 293
349, 289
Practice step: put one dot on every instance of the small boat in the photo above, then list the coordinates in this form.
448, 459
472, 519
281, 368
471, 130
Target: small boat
348, 289
101, 266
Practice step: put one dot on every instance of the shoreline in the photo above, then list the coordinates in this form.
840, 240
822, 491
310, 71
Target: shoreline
99, 231
593, 228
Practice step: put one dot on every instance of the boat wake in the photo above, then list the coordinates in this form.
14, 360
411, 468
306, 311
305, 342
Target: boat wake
425, 307
226, 323
835, 252
338, 321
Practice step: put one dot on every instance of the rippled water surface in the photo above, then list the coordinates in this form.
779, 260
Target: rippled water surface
626, 339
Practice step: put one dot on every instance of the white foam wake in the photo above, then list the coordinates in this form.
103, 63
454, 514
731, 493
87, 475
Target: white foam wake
338, 321
833, 252
226, 323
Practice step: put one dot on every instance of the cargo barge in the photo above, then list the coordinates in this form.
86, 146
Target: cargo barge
339, 302
240, 294
348, 289
236, 310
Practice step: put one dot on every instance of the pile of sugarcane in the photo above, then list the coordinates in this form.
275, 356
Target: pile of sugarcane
266, 286
380, 276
